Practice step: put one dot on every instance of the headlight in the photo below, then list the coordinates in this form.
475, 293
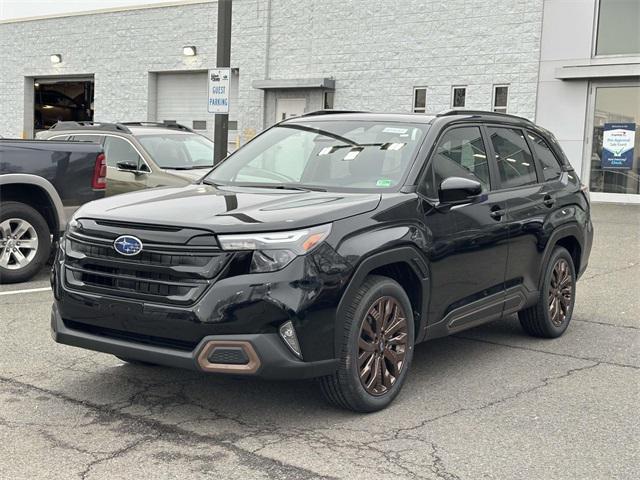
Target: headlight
273, 251
73, 223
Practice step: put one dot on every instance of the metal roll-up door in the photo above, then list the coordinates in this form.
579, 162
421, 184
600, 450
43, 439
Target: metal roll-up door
182, 97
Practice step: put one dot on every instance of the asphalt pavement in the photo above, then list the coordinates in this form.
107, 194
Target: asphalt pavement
488, 403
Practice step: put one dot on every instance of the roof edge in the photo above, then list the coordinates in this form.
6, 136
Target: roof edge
173, 3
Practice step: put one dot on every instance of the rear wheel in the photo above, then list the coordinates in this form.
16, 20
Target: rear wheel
551, 316
25, 242
377, 348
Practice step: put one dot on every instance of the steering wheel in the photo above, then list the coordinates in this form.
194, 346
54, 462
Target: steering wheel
268, 174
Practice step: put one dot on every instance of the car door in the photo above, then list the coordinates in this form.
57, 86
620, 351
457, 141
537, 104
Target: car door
120, 180
466, 244
529, 202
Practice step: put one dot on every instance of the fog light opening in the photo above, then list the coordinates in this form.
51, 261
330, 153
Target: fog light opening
288, 334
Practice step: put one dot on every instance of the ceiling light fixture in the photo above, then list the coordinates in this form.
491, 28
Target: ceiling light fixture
56, 58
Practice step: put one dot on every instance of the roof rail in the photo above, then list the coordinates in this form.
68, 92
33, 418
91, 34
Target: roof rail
175, 126
328, 112
479, 112
88, 125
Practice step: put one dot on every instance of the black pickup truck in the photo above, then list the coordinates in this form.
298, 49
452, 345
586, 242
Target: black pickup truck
42, 182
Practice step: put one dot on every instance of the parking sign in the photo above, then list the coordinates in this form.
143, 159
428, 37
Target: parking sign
218, 101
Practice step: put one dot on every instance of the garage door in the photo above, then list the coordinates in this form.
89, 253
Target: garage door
182, 97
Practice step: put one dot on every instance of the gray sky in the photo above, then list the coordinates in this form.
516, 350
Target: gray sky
10, 9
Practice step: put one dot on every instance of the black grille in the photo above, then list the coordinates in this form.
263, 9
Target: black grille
229, 355
161, 273
149, 258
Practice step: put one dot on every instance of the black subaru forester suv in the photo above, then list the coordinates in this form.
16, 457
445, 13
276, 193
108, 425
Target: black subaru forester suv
328, 247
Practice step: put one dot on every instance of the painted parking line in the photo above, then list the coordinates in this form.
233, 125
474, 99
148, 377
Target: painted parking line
30, 290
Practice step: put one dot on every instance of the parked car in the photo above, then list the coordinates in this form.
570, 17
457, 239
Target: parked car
328, 247
41, 184
142, 154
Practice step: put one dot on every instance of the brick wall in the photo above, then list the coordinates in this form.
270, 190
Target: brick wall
377, 51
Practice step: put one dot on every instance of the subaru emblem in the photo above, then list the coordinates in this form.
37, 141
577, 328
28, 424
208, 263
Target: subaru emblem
127, 245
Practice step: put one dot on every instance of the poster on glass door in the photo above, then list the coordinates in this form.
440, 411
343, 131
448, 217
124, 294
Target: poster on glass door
617, 145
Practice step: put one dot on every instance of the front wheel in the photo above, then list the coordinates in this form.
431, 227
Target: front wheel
25, 242
377, 348
550, 317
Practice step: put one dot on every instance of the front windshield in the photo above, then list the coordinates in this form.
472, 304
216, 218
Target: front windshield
346, 154
182, 151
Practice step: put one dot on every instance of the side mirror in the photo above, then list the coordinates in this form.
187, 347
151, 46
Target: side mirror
128, 166
458, 190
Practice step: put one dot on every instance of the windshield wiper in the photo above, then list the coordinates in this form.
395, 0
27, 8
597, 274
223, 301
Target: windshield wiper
322, 132
188, 167
280, 186
208, 181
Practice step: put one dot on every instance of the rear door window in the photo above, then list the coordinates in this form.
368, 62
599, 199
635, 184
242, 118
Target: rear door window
513, 157
550, 164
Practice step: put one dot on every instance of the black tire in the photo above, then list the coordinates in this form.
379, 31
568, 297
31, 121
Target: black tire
344, 388
131, 361
21, 211
542, 320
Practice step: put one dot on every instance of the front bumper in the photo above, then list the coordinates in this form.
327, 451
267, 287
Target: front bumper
267, 355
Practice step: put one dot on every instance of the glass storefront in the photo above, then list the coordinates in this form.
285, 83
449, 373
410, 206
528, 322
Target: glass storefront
616, 118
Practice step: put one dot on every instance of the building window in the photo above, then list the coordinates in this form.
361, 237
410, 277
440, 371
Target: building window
458, 97
500, 98
618, 27
419, 99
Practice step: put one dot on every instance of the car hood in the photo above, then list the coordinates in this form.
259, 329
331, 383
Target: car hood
230, 209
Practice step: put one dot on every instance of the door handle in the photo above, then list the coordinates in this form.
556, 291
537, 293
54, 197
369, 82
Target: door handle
548, 200
496, 212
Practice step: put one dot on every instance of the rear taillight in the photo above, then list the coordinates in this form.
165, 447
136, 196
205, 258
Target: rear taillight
99, 180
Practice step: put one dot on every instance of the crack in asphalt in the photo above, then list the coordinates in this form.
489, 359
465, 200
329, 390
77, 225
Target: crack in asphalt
116, 454
606, 324
438, 465
545, 382
273, 468
565, 355
609, 272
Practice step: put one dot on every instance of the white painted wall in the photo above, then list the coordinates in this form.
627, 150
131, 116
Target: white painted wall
567, 36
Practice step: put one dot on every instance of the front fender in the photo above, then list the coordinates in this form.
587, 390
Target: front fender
47, 188
403, 254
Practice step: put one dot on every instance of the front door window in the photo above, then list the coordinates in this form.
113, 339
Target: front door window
118, 150
615, 161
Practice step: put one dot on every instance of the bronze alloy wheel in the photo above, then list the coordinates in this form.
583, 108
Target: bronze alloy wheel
382, 345
560, 292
